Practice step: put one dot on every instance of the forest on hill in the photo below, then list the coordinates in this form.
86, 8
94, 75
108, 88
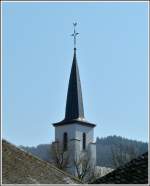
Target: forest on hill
112, 151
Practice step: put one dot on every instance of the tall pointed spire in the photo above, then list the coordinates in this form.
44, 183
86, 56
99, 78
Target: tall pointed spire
74, 105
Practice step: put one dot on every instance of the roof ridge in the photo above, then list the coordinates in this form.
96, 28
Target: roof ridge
37, 158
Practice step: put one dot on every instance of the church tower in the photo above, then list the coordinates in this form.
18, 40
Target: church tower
74, 133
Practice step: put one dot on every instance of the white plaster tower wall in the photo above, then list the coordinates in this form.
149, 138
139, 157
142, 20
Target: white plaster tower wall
92, 153
74, 131
75, 142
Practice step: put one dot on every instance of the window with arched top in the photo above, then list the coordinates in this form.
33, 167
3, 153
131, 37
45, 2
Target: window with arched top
84, 141
65, 141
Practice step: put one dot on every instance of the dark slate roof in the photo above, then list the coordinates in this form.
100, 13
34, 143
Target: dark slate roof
134, 172
20, 167
74, 105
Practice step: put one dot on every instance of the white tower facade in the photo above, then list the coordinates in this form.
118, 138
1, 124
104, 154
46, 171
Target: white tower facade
79, 141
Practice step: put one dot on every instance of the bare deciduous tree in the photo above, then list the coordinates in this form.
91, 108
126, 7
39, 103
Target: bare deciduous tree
82, 164
59, 156
85, 171
120, 156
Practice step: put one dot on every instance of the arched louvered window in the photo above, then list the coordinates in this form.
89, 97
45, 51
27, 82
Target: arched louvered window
84, 141
65, 141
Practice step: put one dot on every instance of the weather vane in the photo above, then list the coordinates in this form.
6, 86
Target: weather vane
74, 34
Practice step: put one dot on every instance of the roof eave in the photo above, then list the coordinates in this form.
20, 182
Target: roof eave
69, 122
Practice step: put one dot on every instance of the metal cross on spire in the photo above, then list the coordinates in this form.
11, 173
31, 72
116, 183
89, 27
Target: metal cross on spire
74, 34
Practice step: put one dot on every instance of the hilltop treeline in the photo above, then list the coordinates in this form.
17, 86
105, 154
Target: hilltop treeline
112, 151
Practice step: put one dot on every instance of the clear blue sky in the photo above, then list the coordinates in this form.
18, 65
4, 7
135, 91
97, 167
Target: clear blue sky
112, 54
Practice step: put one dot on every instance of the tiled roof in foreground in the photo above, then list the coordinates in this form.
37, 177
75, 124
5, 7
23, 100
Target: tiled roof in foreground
134, 172
20, 167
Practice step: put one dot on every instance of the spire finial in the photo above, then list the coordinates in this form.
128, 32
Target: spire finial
74, 34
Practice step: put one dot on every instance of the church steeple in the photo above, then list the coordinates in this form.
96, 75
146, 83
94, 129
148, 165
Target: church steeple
74, 105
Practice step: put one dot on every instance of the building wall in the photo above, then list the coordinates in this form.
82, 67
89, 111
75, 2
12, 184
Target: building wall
92, 153
75, 131
75, 141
